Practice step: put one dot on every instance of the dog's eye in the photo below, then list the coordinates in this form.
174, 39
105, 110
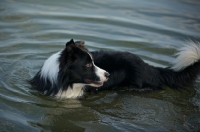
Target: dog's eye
88, 65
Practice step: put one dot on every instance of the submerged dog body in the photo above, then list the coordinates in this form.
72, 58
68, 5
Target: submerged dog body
67, 73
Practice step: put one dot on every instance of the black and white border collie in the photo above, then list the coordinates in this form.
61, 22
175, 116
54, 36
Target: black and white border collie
68, 73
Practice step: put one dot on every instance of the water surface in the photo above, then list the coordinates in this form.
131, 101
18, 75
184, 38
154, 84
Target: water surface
30, 31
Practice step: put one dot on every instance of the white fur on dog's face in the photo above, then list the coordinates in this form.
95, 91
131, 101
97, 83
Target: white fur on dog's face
100, 73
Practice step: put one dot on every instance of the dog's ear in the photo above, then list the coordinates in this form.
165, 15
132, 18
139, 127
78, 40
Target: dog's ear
79, 43
70, 45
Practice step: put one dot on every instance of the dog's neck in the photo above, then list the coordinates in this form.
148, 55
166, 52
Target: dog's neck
76, 91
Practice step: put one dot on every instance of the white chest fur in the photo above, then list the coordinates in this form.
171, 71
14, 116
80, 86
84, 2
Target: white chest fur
72, 92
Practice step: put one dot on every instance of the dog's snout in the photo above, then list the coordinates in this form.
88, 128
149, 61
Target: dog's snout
107, 74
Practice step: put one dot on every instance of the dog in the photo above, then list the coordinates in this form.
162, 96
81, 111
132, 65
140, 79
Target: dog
72, 71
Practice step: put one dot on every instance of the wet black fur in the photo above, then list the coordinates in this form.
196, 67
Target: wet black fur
128, 70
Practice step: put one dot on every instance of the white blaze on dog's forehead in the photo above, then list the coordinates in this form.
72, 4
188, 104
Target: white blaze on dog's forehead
98, 71
90, 56
50, 68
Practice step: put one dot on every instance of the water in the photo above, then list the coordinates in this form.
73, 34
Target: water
30, 31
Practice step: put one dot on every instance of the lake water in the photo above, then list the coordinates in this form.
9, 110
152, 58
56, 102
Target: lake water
30, 31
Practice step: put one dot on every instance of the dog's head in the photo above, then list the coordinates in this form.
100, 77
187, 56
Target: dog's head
78, 64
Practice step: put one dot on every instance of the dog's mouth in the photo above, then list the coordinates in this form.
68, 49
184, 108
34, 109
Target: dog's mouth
99, 83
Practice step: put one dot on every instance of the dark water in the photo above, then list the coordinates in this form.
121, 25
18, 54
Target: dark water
30, 31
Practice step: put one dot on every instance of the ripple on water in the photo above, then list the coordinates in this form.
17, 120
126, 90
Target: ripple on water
131, 112
33, 30
14, 18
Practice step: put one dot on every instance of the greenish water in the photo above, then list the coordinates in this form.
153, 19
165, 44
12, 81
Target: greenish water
30, 31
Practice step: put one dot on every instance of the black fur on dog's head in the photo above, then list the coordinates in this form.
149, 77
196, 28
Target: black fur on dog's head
77, 66
71, 53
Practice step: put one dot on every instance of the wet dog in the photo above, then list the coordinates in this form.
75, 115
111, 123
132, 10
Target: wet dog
68, 73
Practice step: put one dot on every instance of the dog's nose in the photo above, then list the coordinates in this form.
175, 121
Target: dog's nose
107, 74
